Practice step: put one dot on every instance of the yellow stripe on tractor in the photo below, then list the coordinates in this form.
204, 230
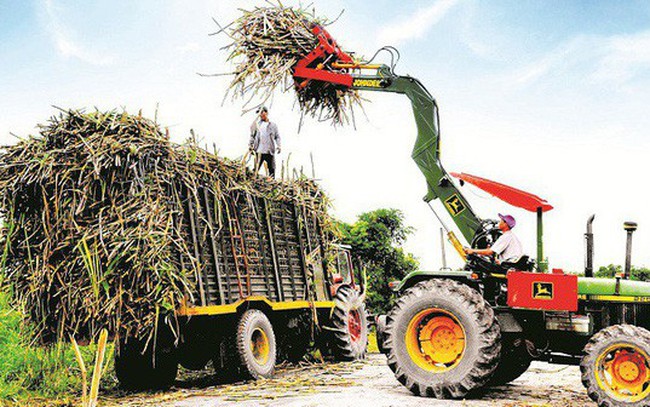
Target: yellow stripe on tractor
614, 298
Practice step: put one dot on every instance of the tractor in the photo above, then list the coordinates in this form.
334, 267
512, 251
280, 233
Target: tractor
454, 332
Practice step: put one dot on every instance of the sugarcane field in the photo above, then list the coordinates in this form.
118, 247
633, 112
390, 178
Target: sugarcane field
245, 204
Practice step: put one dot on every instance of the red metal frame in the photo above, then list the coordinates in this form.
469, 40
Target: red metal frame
539, 291
327, 52
511, 195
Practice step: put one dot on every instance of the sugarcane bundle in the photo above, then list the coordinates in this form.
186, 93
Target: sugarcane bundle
91, 208
267, 42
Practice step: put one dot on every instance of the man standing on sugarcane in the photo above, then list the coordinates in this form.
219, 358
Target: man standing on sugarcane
264, 141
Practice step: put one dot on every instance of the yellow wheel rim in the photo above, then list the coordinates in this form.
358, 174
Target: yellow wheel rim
435, 340
623, 372
260, 346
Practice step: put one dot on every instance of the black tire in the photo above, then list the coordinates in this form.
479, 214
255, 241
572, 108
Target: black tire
349, 331
380, 331
620, 337
514, 362
481, 346
255, 327
137, 371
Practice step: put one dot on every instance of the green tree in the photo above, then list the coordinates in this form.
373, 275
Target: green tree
376, 239
636, 273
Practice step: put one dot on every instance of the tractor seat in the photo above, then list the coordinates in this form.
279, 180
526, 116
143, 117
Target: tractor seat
523, 263
487, 265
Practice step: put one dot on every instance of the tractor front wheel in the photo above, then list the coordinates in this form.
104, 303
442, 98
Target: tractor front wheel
616, 366
349, 331
442, 339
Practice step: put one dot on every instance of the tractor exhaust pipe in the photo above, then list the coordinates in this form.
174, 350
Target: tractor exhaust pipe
589, 242
629, 227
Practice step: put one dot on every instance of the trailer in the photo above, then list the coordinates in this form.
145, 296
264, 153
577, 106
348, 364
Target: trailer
267, 286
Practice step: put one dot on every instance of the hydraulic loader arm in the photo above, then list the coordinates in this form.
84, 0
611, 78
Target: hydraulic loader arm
426, 151
328, 63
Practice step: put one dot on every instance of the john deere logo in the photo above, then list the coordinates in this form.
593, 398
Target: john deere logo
542, 291
367, 83
455, 205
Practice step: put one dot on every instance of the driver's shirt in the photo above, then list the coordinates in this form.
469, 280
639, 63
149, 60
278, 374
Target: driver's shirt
507, 247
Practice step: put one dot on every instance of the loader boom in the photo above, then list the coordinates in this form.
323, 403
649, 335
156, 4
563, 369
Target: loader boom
328, 63
426, 151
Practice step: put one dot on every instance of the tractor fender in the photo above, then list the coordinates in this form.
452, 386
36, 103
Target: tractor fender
414, 277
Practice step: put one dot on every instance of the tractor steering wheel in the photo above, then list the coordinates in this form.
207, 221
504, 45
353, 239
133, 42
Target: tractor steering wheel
479, 262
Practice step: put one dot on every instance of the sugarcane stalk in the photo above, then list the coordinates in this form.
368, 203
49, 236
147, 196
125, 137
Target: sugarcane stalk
97, 371
84, 372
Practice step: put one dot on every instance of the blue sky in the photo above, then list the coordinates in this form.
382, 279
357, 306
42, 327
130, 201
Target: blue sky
548, 96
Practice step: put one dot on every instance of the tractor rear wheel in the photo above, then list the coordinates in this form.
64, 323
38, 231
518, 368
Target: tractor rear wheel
616, 366
256, 346
349, 331
442, 339
515, 360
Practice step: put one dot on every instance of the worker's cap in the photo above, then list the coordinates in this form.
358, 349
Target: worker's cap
262, 109
509, 220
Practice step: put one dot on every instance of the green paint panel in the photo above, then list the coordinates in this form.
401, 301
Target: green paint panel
426, 151
607, 286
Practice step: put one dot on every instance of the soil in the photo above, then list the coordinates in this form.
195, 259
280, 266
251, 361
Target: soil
365, 383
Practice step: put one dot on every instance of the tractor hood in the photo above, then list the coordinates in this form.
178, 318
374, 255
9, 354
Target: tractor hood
607, 287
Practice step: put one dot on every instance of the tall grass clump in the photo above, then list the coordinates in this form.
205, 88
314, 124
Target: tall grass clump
29, 372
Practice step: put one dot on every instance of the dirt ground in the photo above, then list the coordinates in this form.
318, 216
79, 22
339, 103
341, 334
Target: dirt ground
366, 383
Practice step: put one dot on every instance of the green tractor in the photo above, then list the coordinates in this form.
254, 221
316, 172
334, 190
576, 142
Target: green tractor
453, 332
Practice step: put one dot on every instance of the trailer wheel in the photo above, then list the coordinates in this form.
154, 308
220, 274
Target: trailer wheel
256, 345
515, 360
442, 339
136, 371
616, 366
349, 338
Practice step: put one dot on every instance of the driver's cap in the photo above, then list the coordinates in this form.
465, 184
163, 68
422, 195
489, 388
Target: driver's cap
509, 220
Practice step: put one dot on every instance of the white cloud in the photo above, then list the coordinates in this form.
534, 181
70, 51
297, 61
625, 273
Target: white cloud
615, 59
415, 25
626, 56
64, 42
550, 62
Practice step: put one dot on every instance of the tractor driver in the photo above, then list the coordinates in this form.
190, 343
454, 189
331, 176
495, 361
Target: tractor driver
507, 247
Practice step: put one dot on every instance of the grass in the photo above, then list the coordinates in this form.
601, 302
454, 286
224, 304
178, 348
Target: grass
36, 375
372, 341
32, 375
